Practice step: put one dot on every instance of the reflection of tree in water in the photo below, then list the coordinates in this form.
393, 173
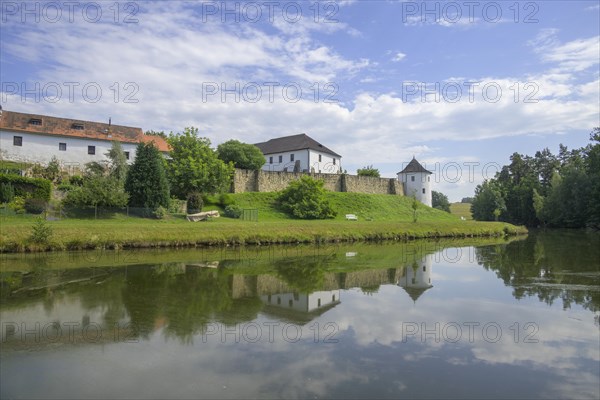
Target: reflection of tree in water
303, 274
549, 265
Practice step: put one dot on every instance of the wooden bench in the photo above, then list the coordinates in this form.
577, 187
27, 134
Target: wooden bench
351, 217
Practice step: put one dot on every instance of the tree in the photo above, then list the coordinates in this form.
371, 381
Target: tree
242, 155
99, 188
162, 134
488, 202
467, 200
368, 171
146, 181
440, 201
194, 166
414, 205
118, 162
305, 199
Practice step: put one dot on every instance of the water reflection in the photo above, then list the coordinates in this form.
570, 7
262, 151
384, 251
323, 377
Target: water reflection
514, 319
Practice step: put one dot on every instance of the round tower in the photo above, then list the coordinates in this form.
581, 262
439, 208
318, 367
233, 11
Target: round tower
416, 181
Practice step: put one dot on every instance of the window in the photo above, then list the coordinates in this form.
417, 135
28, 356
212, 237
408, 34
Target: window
35, 121
290, 302
319, 303
428, 179
278, 300
291, 157
320, 158
270, 160
280, 159
17, 140
77, 127
412, 178
334, 161
423, 190
62, 147
269, 299
424, 268
92, 150
127, 155
333, 297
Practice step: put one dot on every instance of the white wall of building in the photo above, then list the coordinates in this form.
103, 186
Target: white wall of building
419, 278
309, 162
41, 148
417, 184
302, 301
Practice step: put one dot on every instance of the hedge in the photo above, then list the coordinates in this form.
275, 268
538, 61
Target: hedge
36, 188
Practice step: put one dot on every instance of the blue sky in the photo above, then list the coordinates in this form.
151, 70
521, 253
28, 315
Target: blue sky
527, 72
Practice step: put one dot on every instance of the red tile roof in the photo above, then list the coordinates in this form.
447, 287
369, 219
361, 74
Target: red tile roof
46, 125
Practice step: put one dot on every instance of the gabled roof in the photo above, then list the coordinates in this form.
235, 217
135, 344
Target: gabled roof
414, 166
292, 143
47, 125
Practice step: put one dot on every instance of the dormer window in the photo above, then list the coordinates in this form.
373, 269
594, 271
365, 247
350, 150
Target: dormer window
77, 127
35, 121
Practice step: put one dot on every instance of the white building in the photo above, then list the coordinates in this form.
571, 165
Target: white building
299, 153
416, 278
416, 181
32, 138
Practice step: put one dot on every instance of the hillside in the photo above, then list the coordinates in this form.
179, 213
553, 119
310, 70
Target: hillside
461, 210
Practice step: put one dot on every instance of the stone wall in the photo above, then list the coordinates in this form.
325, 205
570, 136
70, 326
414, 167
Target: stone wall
269, 181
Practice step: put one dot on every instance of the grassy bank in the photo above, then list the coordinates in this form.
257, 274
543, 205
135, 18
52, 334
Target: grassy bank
461, 210
381, 217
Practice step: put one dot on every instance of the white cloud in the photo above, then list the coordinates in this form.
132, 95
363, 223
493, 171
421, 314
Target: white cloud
399, 57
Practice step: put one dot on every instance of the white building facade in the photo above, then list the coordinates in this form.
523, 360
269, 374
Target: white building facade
299, 153
416, 181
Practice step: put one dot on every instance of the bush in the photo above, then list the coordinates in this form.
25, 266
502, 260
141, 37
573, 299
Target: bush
76, 180
194, 203
65, 187
233, 211
210, 199
226, 199
17, 205
160, 213
28, 187
41, 231
176, 205
305, 199
35, 206
7, 192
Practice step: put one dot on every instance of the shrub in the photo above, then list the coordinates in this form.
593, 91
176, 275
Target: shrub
146, 181
65, 187
194, 203
226, 199
210, 199
35, 206
76, 180
175, 205
28, 187
41, 231
233, 211
7, 192
160, 212
305, 199
17, 205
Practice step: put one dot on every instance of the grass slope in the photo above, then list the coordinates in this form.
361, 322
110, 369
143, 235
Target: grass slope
381, 217
461, 210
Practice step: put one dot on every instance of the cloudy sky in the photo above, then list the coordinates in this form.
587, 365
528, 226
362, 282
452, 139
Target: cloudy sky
459, 85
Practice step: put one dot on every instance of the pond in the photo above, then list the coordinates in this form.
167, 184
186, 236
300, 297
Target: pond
497, 318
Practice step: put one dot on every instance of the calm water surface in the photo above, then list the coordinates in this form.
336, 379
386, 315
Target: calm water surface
488, 319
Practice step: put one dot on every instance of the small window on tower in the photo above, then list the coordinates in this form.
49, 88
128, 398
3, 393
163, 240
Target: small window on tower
428, 179
320, 158
423, 190
412, 178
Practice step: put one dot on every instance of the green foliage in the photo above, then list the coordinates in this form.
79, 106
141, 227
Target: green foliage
7, 192
41, 231
226, 199
233, 211
194, 166
242, 155
146, 181
467, 200
440, 201
97, 190
194, 203
368, 171
94, 168
118, 162
488, 202
305, 199
35, 206
28, 187
160, 212
52, 170
176, 205
17, 205
162, 134
76, 180
414, 205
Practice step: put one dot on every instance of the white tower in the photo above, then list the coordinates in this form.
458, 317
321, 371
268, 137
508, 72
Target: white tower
416, 277
416, 181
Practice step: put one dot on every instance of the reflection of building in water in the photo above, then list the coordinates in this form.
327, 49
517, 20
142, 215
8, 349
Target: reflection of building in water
300, 308
416, 278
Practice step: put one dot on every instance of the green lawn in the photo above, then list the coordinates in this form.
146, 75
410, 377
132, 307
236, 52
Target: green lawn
381, 217
461, 210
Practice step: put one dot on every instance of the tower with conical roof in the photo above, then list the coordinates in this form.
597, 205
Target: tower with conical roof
416, 277
416, 181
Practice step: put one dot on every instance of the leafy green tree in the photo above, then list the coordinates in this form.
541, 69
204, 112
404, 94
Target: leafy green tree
98, 188
440, 201
415, 206
162, 134
593, 171
488, 202
242, 155
146, 181
118, 162
368, 171
195, 167
305, 199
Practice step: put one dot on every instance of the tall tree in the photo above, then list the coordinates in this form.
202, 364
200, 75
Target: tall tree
118, 162
488, 202
440, 201
194, 166
146, 181
242, 155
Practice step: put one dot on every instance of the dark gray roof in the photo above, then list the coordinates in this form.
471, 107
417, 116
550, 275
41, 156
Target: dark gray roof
414, 166
292, 143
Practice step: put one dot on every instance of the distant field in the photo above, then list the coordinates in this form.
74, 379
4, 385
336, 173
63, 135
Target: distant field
461, 210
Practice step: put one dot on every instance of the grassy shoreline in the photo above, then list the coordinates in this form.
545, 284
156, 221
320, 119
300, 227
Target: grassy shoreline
144, 233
